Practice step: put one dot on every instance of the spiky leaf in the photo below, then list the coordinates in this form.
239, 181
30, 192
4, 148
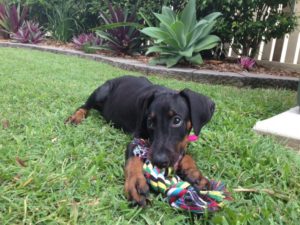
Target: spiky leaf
188, 15
181, 36
196, 59
179, 28
209, 42
168, 60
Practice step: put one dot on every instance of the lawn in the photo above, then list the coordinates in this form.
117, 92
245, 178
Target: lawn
52, 173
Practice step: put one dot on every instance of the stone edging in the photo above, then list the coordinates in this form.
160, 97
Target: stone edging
204, 76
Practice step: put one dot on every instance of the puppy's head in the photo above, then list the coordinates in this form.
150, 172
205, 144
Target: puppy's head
168, 119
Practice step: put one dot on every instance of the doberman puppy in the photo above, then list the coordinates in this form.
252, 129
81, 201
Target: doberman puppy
163, 116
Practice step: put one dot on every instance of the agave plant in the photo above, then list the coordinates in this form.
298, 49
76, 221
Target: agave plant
29, 32
120, 31
12, 17
85, 41
180, 36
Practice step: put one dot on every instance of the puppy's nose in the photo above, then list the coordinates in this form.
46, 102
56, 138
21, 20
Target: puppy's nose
161, 161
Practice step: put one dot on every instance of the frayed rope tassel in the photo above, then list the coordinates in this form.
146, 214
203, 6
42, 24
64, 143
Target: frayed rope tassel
180, 194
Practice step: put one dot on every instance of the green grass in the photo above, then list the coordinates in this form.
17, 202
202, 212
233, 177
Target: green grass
74, 175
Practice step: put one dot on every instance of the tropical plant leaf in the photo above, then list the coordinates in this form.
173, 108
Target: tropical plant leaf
172, 61
156, 33
107, 37
187, 53
209, 42
212, 16
155, 49
172, 43
117, 25
29, 32
145, 18
165, 20
181, 36
197, 59
207, 29
179, 28
188, 15
120, 30
62, 20
169, 61
12, 17
168, 12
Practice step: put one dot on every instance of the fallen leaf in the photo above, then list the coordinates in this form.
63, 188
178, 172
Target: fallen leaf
5, 124
17, 178
20, 162
27, 182
93, 202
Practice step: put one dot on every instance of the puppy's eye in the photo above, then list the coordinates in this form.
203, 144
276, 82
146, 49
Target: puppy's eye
176, 121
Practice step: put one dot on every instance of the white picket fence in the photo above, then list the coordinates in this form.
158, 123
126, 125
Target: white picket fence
285, 50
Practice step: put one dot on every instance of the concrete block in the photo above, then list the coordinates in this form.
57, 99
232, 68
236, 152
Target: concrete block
285, 126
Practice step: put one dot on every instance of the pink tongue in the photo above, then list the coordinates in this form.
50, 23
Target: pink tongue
192, 138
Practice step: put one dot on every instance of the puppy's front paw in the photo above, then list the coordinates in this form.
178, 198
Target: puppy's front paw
189, 172
195, 178
136, 190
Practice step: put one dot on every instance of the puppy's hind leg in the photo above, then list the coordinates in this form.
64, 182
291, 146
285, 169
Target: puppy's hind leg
94, 101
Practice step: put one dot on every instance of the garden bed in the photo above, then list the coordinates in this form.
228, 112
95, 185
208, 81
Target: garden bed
226, 65
242, 78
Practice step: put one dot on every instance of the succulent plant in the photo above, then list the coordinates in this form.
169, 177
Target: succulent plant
247, 63
180, 37
29, 32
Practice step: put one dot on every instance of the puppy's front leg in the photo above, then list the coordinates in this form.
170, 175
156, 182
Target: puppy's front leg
189, 172
136, 187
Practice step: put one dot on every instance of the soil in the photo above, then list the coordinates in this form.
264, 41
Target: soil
232, 65
227, 65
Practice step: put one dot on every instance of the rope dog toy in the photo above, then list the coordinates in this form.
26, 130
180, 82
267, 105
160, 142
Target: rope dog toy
180, 194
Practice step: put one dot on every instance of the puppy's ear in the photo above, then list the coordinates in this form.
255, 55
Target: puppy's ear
142, 104
201, 108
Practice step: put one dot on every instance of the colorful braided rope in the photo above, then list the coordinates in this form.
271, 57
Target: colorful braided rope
180, 194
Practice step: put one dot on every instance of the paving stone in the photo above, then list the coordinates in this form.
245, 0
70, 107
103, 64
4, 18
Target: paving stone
285, 126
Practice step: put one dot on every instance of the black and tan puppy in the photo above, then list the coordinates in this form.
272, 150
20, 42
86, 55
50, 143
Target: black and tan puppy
163, 116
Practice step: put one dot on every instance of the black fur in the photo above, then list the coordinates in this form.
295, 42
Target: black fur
151, 111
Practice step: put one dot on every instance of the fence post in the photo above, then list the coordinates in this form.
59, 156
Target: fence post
298, 96
291, 54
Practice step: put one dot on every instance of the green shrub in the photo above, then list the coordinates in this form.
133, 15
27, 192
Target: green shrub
62, 22
248, 23
149, 6
180, 36
71, 17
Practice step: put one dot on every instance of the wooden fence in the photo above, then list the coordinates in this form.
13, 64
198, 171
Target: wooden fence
285, 50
